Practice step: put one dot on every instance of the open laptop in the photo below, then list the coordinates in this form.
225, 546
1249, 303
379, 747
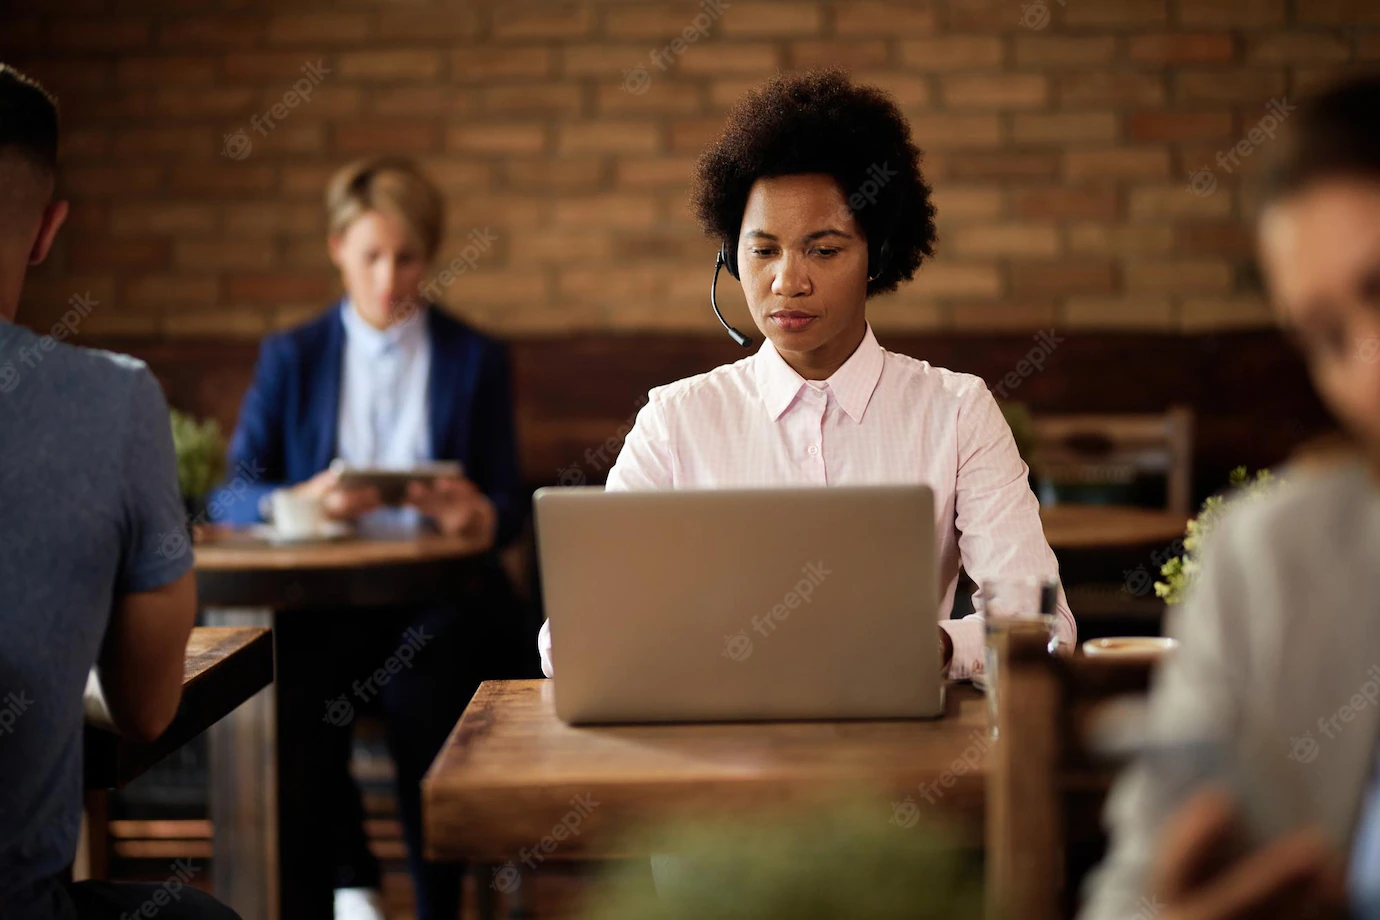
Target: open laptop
753, 604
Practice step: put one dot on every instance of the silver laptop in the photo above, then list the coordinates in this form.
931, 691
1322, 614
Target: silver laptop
754, 604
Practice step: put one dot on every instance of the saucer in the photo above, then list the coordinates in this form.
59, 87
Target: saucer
1130, 648
328, 531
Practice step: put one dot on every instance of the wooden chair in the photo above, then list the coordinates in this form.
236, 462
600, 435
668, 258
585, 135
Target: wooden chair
1045, 791
1118, 448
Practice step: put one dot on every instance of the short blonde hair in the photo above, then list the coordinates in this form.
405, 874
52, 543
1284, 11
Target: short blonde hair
392, 185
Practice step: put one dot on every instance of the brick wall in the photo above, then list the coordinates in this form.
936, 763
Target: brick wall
1061, 139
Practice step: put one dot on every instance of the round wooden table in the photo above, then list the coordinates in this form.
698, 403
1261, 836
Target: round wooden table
1109, 526
274, 863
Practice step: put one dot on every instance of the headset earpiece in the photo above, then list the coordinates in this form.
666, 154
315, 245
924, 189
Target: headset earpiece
877, 262
729, 255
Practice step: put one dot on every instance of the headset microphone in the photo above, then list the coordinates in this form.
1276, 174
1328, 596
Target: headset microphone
722, 262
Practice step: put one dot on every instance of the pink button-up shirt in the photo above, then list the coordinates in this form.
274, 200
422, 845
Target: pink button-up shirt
881, 419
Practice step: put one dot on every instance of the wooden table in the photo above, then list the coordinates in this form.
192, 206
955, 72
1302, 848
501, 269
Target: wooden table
512, 772
266, 805
1104, 526
225, 667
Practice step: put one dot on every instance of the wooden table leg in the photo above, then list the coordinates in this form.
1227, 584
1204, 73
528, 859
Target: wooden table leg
304, 859
243, 788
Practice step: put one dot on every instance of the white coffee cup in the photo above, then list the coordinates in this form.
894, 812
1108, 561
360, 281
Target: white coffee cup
297, 516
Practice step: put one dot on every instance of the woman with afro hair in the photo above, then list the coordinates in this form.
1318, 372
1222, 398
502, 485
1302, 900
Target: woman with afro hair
815, 191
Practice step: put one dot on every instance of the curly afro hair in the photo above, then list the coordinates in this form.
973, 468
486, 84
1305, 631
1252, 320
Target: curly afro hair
819, 122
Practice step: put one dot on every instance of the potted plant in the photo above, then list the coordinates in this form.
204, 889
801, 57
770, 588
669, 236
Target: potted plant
200, 450
867, 860
1180, 571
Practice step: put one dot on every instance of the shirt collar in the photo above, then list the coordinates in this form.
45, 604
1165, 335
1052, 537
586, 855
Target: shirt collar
852, 384
376, 341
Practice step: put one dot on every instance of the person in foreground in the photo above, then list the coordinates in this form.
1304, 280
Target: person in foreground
1280, 640
815, 191
88, 492
384, 378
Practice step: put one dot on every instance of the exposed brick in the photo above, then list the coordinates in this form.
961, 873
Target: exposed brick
1221, 238
409, 22
1118, 313
885, 19
997, 91
693, 135
1199, 313
319, 28
944, 131
575, 174
640, 172
417, 101
409, 64
1178, 275
532, 99
482, 64
205, 102
1028, 240
1254, 85
1064, 202
1183, 48
979, 165
131, 219
85, 33
947, 278
211, 31
910, 91
1117, 163
1064, 127
1099, 88
260, 288
1158, 202
165, 71
273, 65
953, 52
1000, 16
204, 255
1248, 13
224, 178
161, 143
608, 211
660, 97
372, 137
608, 137
1178, 126
148, 292
650, 20
1297, 48
453, 174
89, 255
547, 20
850, 55
1057, 279
1339, 12
959, 202
616, 62
757, 58
904, 311
1062, 51
266, 218
504, 288
1117, 13
86, 144
496, 138
724, 94
1003, 316
217, 323
1132, 240
748, 19
107, 181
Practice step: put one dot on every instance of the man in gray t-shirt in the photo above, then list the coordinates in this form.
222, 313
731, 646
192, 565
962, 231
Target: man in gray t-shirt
88, 572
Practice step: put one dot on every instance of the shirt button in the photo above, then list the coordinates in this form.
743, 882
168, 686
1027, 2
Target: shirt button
813, 449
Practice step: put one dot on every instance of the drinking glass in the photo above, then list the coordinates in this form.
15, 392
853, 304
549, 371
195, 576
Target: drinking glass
1007, 602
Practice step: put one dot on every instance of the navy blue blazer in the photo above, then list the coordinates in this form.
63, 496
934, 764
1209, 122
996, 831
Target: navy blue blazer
290, 415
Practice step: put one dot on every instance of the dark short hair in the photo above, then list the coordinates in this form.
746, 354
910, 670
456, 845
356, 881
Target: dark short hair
818, 121
1333, 134
28, 121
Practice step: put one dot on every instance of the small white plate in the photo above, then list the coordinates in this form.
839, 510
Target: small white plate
1139, 648
328, 531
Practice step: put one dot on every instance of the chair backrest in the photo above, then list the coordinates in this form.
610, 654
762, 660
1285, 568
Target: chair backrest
1044, 790
1117, 448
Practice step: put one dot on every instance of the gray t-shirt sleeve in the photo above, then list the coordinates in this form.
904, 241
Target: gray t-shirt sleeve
156, 550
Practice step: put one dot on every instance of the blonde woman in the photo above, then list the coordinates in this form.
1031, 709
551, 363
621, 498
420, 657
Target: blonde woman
385, 379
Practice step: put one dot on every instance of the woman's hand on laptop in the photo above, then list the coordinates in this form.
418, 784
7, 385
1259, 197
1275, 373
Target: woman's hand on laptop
458, 508
340, 502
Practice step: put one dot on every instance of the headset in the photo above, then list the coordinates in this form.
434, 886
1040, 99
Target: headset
877, 260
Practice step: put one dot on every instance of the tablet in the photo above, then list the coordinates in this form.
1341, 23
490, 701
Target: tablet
392, 483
